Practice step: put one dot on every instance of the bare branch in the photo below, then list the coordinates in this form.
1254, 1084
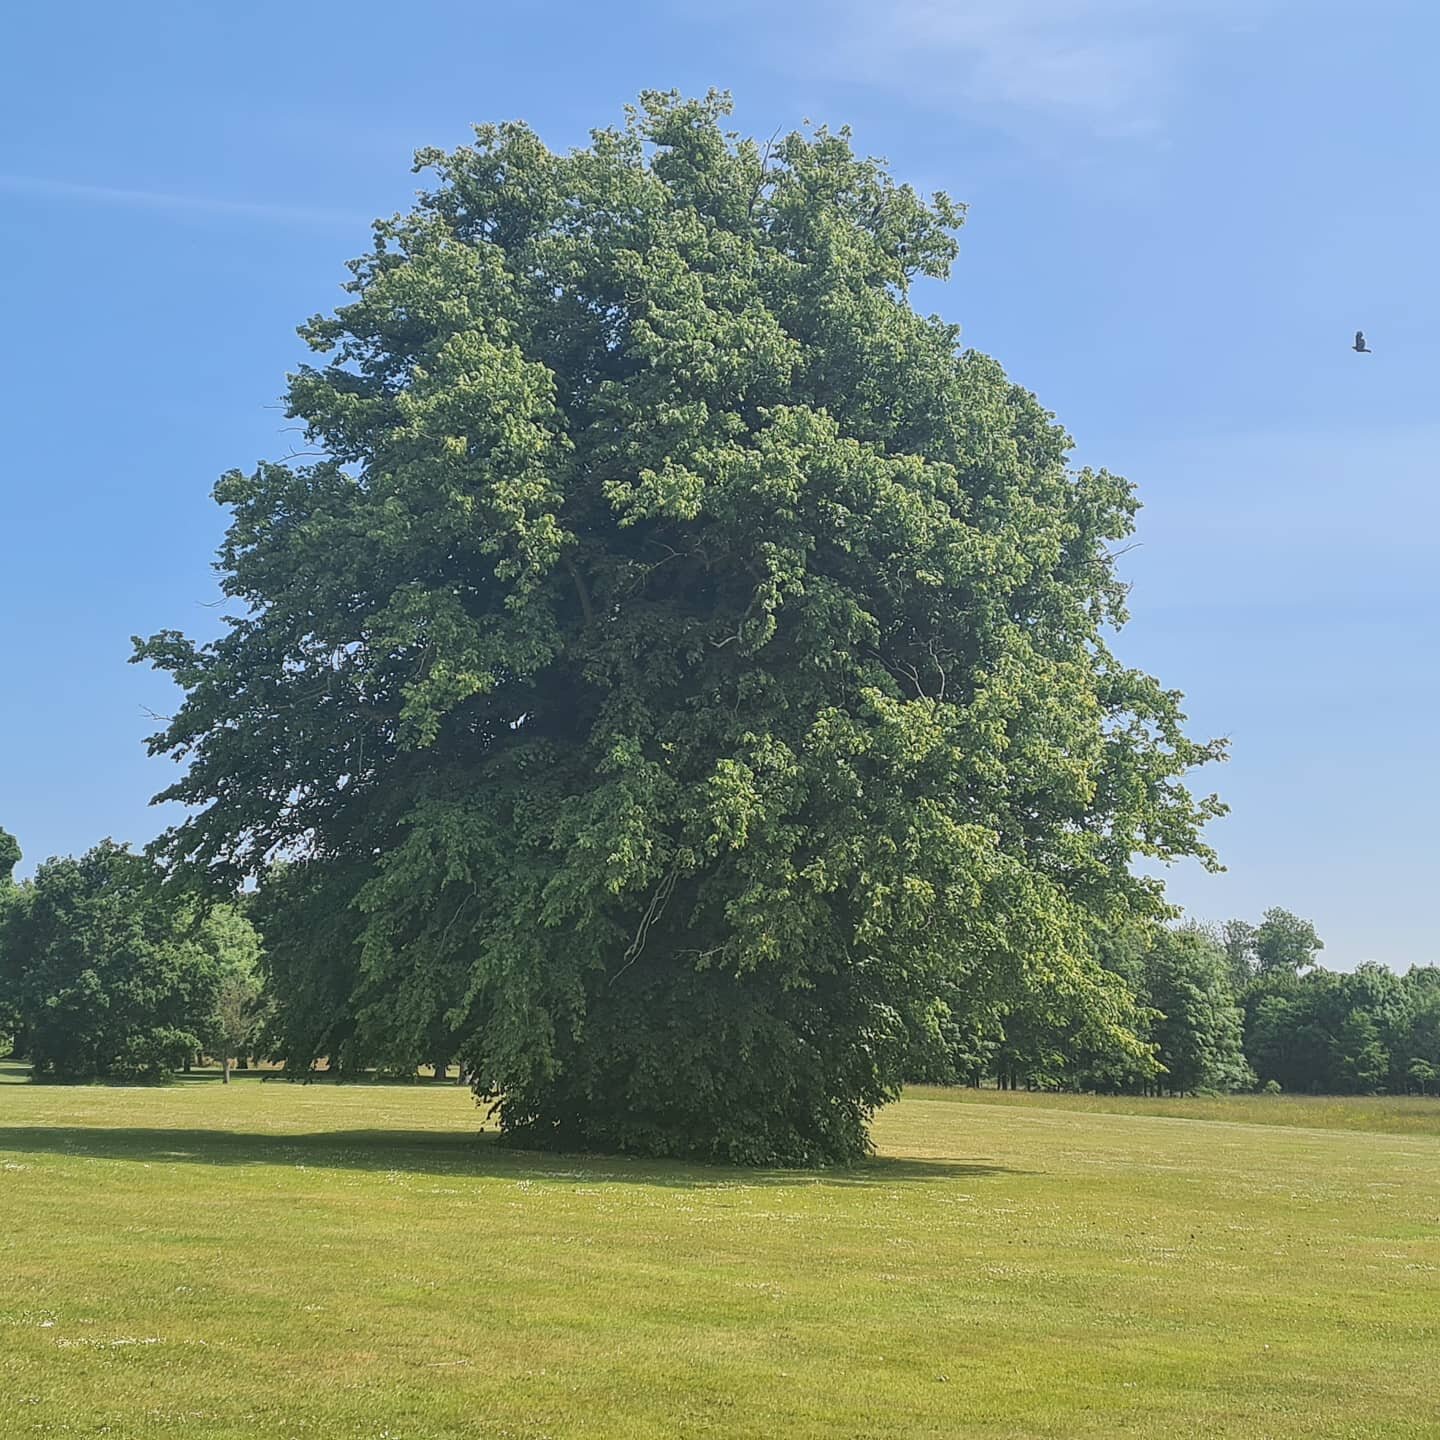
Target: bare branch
764, 172
910, 673
935, 661
652, 913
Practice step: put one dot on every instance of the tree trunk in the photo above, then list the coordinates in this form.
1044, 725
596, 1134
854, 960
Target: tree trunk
225, 1073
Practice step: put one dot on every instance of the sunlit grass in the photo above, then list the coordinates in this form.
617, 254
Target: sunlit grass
1388, 1114
318, 1261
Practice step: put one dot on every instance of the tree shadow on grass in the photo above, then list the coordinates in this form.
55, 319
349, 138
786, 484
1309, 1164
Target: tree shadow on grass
452, 1154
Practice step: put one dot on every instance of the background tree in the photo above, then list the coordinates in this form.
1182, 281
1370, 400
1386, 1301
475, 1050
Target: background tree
103, 971
1283, 942
956, 1041
237, 1020
1029, 1031
1237, 938
310, 963
1420, 1050
682, 663
10, 857
1336, 1033
10, 895
1361, 1060
1096, 1063
1198, 1028
1377, 992
1272, 1041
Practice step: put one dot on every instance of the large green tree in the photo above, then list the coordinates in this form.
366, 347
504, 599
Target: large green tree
681, 660
104, 969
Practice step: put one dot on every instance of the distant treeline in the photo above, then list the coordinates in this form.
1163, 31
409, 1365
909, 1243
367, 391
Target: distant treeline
1234, 1007
104, 974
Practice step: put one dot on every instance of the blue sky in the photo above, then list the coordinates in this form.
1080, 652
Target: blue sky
1180, 211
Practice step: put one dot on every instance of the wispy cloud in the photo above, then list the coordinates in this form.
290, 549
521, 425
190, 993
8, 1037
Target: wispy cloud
178, 203
1112, 66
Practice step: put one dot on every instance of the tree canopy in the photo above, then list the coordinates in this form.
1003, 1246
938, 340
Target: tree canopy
1284, 943
681, 661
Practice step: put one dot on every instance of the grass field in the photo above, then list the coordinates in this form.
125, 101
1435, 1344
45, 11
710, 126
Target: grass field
269, 1260
1385, 1114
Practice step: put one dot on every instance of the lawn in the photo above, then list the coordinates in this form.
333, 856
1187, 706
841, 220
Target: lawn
275, 1260
1388, 1114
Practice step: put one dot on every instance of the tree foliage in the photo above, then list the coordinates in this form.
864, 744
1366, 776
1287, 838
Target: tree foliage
1197, 1029
1284, 943
1237, 939
10, 857
10, 895
682, 662
1331, 1032
237, 1019
102, 969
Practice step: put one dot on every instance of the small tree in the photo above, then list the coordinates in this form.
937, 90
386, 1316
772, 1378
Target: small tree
237, 1017
234, 945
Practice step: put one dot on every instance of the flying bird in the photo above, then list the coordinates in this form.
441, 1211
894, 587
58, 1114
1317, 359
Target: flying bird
1360, 346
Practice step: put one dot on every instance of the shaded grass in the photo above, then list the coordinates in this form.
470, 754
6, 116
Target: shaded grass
338, 1261
473, 1154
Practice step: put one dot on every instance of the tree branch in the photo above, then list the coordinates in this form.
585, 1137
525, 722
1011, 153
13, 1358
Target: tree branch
653, 912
